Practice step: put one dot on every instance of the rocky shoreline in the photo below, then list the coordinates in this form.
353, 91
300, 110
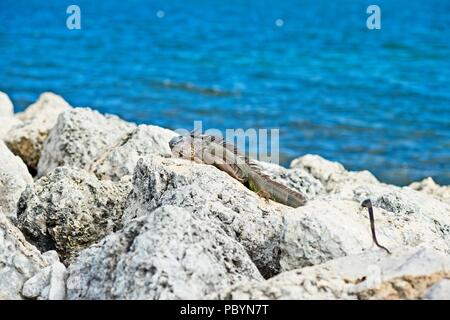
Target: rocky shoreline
93, 207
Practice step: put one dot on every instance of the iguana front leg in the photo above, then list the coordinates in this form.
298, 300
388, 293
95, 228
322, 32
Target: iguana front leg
222, 165
264, 194
228, 169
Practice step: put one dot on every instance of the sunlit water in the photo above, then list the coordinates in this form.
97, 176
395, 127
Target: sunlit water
376, 100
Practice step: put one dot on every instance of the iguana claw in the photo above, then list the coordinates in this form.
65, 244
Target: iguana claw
264, 194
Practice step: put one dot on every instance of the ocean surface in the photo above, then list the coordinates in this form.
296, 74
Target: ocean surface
370, 99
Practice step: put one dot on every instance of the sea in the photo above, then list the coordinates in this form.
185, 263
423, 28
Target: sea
375, 99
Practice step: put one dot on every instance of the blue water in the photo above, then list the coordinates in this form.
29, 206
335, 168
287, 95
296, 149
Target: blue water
377, 100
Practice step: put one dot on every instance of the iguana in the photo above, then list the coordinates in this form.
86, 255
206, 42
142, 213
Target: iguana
215, 151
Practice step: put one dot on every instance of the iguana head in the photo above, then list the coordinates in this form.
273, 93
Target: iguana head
204, 148
181, 146
187, 147
174, 141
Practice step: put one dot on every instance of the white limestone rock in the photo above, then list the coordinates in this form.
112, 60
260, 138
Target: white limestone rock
168, 254
50, 282
211, 193
6, 123
6, 106
27, 138
14, 178
69, 209
120, 160
80, 137
430, 187
326, 229
19, 260
331, 174
362, 276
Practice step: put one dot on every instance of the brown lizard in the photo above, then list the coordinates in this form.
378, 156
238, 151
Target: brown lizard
215, 151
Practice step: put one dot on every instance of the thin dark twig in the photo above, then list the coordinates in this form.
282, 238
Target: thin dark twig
368, 204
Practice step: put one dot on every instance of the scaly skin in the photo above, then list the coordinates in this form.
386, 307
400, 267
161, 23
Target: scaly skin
211, 150
277, 192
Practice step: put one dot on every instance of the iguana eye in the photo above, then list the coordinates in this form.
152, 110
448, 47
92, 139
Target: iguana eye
174, 141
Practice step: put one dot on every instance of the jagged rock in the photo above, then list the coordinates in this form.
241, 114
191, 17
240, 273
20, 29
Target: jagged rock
191, 231
399, 200
6, 123
326, 229
120, 160
301, 284
69, 209
360, 276
418, 217
168, 254
322, 231
19, 260
430, 187
296, 178
80, 137
48, 102
6, 106
51, 256
7, 120
33, 287
57, 287
335, 225
331, 174
50, 282
26, 139
209, 192
14, 178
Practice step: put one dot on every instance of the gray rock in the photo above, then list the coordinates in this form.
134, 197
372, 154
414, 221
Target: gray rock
33, 287
406, 208
301, 284
211, 193
402, 201
326, 229
120, 160
439, 291
49, 103
48, 284
19, 260
168, 254
322, 231
6, 123
430, 187
331, 174
295, 178
14, 178
80, 137
51, 256
362, 276
57, 288
334, 225
6, 106
69, 209
26, 139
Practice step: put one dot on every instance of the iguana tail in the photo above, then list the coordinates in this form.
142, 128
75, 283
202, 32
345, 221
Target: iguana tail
277, 192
